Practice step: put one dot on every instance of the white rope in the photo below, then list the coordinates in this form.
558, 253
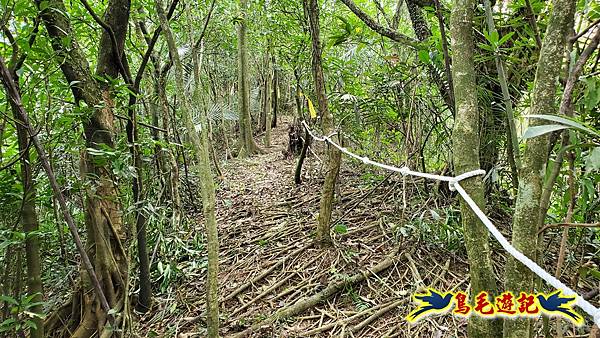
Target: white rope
454, 184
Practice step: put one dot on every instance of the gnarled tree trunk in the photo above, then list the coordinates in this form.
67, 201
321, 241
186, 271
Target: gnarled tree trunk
103, 218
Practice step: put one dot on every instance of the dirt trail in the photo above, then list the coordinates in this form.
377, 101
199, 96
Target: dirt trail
267, 263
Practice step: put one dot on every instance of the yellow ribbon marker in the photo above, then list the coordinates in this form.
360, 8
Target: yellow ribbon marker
311, 107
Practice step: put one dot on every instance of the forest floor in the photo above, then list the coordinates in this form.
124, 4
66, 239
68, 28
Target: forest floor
267, 260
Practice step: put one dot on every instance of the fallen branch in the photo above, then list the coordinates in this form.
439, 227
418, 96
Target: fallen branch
308, 302
415, 272
362, 198
265, 273
343, 321
376, 315
272, 288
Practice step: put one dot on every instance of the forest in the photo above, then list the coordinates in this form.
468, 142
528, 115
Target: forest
300, 168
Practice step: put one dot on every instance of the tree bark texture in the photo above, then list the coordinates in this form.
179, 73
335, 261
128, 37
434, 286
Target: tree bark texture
527, 209
105, 230
465, 139
200, 146
323, 237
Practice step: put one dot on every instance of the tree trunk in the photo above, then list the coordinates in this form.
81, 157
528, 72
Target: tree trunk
263, 99
465, 139
323, 237
423, 33
105, 231
275, 100
169, 162
268, 97
201, 152
527, 209
137, 188
29, 221
2, 127
300, 128
246, 142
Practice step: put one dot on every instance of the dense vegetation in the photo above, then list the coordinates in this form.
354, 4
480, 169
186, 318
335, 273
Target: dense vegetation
158, 177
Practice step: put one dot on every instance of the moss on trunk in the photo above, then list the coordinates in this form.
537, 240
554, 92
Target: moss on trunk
527, 209
465, 139
333, 155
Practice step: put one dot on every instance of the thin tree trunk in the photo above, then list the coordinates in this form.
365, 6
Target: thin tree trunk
275, 99
465, 139
307, 137
323, 237
246, 142
423, 33
201, 151
2, 127
137, 188
169, 158
268, 97
527, 209
303, 153
447, 59
263, 99
29, 221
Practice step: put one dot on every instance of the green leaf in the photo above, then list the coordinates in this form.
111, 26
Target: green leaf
591, 96
592, 162
486, 47
7, 324
494, 37
30, 324
424, 56
585, 271
565, 121
9, 300
541, 130
340, 228
505, 38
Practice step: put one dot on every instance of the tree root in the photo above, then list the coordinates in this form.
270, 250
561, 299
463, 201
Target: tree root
265, 273
345, 321
376, 315
272, 288
310, 301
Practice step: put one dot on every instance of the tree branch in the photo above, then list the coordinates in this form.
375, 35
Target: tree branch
212, 6
113, 41
146, 58
391, 34
572, 225
582, 33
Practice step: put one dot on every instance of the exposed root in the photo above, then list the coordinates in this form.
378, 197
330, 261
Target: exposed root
333, 288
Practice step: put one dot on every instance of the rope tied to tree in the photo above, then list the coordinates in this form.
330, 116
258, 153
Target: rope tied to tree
454, 184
